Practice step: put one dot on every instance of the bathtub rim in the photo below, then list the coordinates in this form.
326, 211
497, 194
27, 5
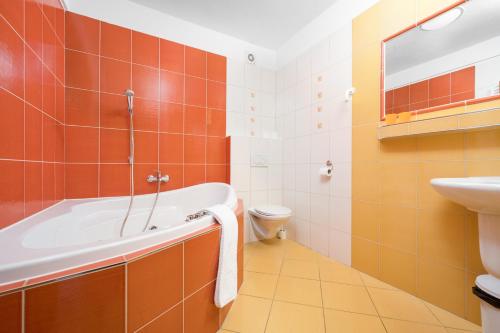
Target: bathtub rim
76, 270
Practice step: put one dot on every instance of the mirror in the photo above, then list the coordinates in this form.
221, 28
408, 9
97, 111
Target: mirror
444, 64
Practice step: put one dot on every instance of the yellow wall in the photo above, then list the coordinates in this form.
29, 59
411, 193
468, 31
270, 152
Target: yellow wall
404, 232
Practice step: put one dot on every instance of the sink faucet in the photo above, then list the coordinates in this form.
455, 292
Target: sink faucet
159, 178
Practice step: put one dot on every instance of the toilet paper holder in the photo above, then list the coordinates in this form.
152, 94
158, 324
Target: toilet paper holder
327, 170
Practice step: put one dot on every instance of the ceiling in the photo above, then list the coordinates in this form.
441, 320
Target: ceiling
479, 22
267, 23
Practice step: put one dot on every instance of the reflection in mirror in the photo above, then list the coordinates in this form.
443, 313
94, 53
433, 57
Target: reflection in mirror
443, 64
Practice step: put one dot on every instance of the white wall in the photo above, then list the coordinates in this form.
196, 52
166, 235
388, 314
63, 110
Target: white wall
251, 123
134, 16
256, 183
314, 121
251, 100
333, 19
485, 56
315, 70
488, 77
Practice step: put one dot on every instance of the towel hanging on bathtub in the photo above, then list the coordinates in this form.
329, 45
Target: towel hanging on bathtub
226, 287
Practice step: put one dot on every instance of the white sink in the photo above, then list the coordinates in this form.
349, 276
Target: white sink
481, 195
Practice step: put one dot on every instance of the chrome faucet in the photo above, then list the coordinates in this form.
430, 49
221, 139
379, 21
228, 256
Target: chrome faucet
159, 178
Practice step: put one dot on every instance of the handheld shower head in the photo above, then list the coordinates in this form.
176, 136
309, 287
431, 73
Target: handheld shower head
130, 99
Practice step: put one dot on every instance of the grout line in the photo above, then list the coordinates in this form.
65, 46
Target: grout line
206, 114
33, 106
99, 119
184, 116
283, 255
28, 46
160, 315
126, 297
23, 311
64, 97
131, 153
433, 314
143, 65
117, 163
144, 131
373, 303
199, 289
24, 123
43, 118
183, 284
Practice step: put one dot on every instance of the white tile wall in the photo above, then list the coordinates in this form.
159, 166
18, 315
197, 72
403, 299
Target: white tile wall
293, 120
251, 100
256, 173
316, 127
251, 123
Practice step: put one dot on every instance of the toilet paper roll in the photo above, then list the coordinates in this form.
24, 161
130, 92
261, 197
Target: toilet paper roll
326, 171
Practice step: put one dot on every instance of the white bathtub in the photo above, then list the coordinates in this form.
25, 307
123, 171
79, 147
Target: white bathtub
85, 231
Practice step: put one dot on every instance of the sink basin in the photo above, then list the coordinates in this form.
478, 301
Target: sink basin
479, 194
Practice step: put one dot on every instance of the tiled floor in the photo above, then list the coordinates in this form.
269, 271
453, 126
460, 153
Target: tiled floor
289, 288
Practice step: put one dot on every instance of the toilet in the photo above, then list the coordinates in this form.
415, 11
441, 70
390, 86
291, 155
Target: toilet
487, 289
268, 220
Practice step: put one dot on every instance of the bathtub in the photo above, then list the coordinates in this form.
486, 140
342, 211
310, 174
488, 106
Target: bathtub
80, 232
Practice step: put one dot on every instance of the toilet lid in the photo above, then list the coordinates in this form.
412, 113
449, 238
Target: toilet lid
272, 210
489, 284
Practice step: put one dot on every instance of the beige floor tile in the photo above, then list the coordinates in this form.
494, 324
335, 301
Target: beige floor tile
370, 281
450, 320
400, 326
290, 272
347, 298
297, 290
268, 248
263, 264
295, 318
333, 271
454, 330
300, 269
259, 284
299, 252
400, 305
347, 322
248, 314
246, 256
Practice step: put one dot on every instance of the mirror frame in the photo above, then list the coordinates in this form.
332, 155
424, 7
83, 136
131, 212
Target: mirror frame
430, 109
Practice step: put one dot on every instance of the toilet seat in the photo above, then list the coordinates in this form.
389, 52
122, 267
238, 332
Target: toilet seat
268, 220
489, 284
273, 210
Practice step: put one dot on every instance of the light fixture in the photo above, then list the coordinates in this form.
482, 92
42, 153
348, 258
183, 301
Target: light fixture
443, 20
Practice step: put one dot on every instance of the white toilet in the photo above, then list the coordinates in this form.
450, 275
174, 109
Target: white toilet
268, 220
487, 288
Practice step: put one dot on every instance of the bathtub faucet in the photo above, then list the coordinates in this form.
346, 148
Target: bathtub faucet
159, 178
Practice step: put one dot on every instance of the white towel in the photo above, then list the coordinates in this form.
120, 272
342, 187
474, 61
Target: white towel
226, 287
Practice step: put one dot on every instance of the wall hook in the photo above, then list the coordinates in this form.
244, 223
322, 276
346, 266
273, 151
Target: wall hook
349, 93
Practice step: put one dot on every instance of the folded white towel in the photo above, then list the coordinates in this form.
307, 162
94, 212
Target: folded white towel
226, 287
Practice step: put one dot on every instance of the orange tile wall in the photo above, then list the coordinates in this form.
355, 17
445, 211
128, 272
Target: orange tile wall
65, 124
449, 88
179, 114
403, 231
32, 112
